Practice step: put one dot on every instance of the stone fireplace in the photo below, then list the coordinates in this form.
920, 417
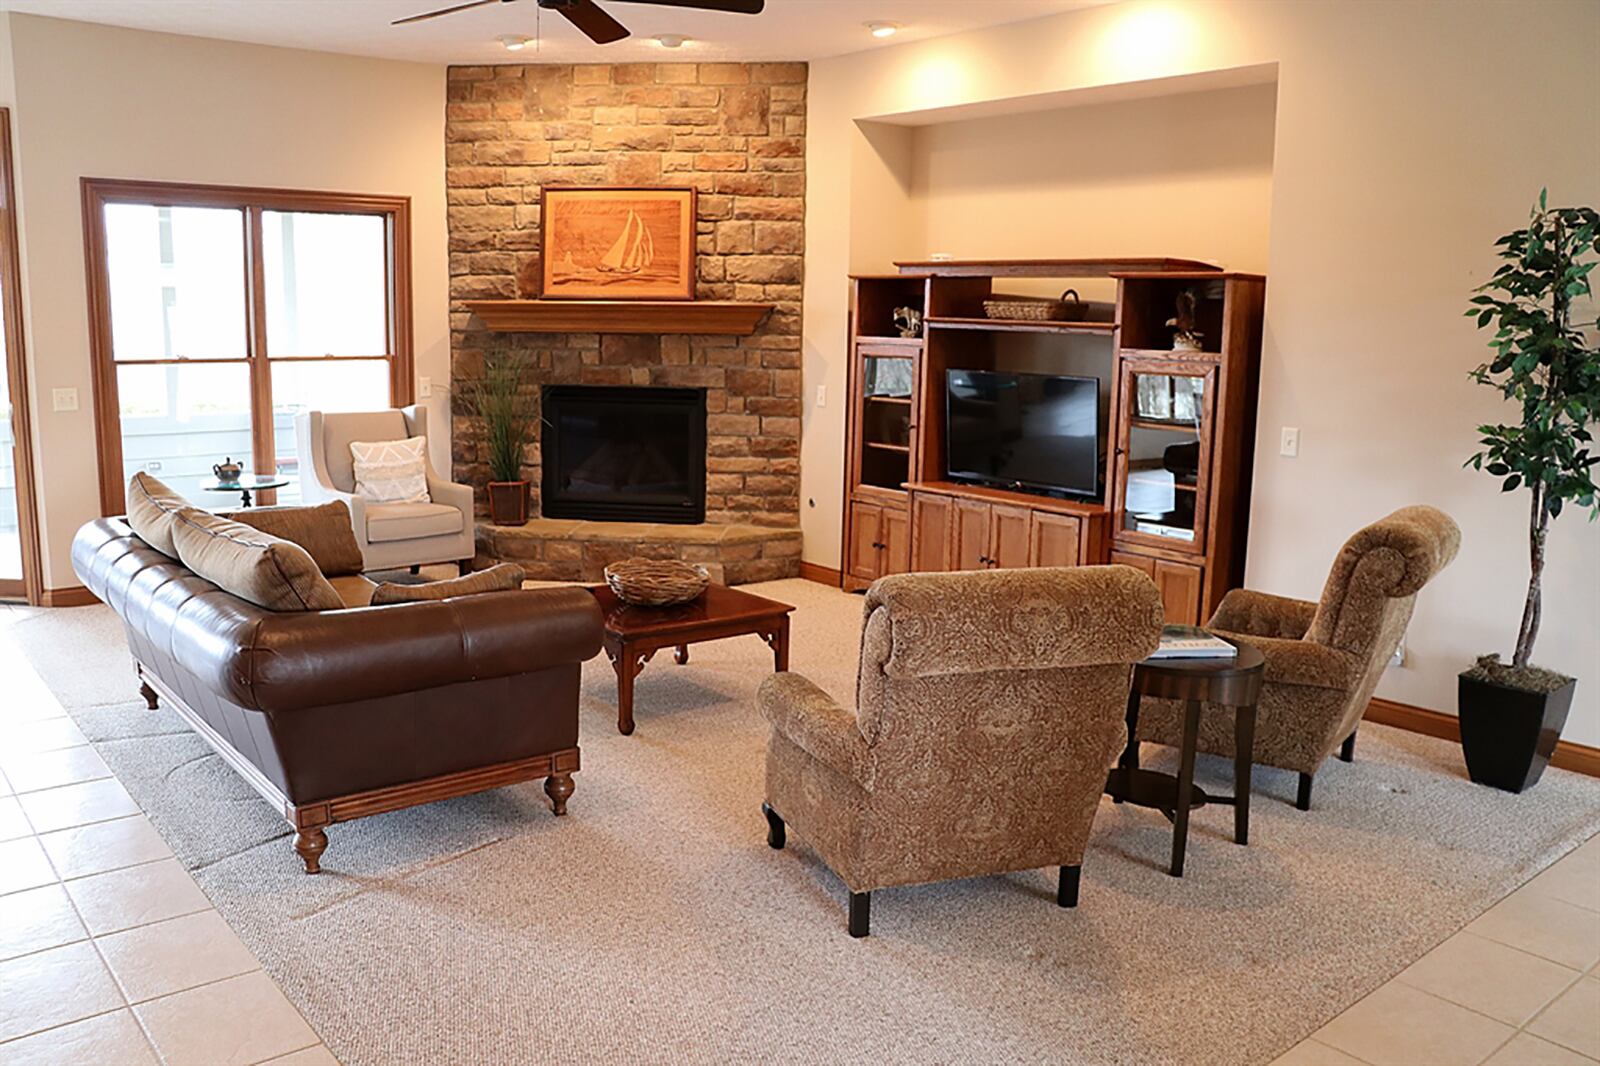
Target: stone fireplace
736, 133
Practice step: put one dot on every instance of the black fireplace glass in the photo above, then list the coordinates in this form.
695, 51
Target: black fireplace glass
624, 454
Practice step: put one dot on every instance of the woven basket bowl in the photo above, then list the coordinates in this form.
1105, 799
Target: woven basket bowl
656, 582
1036, 308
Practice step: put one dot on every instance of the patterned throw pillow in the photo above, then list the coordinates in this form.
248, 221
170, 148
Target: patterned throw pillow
392, 471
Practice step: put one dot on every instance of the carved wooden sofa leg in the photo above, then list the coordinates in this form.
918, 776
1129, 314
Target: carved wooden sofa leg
311, 842
558, 786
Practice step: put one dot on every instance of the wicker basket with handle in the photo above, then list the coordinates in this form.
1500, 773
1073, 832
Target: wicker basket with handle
656, 582
1037, 308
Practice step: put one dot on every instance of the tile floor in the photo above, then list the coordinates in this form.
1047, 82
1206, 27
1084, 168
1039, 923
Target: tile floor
109, 952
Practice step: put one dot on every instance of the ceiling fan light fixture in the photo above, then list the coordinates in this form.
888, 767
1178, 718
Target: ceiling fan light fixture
883, 29
671, 40
513, 42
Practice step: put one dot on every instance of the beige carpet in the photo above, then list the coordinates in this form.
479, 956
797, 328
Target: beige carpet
654, 925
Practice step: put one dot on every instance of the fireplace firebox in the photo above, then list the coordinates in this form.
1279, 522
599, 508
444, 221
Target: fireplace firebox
624, 454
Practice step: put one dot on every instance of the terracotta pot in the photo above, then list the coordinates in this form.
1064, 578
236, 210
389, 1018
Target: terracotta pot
508, 503
1508, 734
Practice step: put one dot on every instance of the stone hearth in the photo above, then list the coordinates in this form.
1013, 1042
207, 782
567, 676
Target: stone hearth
556, 549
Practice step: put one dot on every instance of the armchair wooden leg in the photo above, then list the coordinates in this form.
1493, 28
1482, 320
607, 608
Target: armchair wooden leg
417, 569
1303, 799
310, 843
860, 914
1348, 751
464, 566
775, 834
1067, 886
151, 700
559, 788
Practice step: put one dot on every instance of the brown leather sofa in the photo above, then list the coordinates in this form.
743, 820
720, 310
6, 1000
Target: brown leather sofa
338, 714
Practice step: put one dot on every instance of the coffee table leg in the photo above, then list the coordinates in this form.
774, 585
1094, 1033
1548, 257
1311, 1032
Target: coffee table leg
1180, 821
681, 656
1244, 753
780, 646
626, 662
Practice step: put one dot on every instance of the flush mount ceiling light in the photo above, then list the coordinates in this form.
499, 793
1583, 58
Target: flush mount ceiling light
670, 40
883, 29
514, 43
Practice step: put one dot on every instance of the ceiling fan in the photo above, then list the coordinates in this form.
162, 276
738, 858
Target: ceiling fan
600, 27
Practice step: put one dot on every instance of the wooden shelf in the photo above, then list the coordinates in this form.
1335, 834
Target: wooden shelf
1019, 325
1052, 268
903, 449
1169, 354
904, 342
620, 316
887, 399
1165, 427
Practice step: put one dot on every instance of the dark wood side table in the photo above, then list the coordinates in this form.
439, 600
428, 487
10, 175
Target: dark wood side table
244, 486
634, 634
1233, 683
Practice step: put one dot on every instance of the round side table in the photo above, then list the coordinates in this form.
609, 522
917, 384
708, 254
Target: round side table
246, 485
1234, 683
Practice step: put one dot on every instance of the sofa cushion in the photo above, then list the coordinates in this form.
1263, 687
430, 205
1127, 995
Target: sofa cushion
152, 510
391, 471
255, 566
498, 578
353, 589
324, 531
411, 521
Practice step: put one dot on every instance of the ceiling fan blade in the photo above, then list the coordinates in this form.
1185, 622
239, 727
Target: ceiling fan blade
600, 27
443, 11
734, 7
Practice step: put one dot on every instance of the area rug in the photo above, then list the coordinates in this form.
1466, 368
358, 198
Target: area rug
654, 925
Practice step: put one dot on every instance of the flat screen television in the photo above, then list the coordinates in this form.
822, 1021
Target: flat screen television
1034, 432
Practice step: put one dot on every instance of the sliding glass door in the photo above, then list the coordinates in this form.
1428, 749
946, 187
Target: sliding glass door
19, 545
218, 315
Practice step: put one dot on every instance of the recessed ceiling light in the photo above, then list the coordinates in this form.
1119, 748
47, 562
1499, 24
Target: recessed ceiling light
514, 43
670, 40
883, 29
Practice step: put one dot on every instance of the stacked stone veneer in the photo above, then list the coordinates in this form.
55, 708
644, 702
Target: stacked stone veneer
736, 133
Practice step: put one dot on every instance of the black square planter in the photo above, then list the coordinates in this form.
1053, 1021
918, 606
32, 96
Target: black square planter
1508, 734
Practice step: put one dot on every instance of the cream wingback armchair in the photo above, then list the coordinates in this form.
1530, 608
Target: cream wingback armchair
989, 706
1324, 659
391, 535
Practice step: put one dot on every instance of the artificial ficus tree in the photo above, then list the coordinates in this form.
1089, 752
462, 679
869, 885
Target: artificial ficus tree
1548, 365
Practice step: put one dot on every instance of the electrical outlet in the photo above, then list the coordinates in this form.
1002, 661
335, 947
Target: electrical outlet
822, 395
424, 387
64, 399
153, 466
1289, 444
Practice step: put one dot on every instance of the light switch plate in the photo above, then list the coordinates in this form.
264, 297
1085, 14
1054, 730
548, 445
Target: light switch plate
1290, 443
822, 395
64, 399
424, 387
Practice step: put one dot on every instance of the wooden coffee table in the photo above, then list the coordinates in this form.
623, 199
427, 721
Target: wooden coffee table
634, 634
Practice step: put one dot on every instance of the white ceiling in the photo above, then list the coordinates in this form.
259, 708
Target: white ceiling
790, 29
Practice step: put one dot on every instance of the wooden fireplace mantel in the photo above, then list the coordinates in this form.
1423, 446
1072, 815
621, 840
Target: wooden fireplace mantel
620, 316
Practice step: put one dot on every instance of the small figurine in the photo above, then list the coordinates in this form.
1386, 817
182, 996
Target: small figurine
909, 321
1187, 338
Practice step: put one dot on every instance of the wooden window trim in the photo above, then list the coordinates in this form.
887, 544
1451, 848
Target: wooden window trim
97, 193
32, 584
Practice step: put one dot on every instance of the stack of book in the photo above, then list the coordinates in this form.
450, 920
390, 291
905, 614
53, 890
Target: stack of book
1192, 642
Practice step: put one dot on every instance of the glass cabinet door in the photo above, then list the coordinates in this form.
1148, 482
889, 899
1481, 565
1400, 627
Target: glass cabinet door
885, 418
1164, 451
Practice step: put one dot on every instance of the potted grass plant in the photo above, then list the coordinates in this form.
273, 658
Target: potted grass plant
1544, 360
507, 423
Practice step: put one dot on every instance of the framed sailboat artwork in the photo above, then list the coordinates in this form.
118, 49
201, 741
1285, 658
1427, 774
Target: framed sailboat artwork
618, 243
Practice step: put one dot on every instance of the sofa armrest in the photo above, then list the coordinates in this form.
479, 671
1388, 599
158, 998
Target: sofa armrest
1263, 615
278, 662
1303, 662
809, 718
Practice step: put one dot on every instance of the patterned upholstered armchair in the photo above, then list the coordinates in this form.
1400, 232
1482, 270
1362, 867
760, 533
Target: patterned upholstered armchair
990, 705
1324, 659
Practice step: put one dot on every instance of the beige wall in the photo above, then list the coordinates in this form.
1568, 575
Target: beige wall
97, 101
1406, 142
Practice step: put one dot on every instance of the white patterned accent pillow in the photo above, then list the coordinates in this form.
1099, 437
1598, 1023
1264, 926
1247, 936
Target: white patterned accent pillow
391, 471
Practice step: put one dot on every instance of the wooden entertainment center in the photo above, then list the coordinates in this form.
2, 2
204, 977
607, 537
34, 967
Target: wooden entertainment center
1177, 426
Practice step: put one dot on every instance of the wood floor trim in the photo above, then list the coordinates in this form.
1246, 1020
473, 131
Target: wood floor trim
1579, 758
822, 575
71, 596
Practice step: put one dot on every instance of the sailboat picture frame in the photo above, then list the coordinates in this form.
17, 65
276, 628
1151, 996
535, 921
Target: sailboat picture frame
618, 243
